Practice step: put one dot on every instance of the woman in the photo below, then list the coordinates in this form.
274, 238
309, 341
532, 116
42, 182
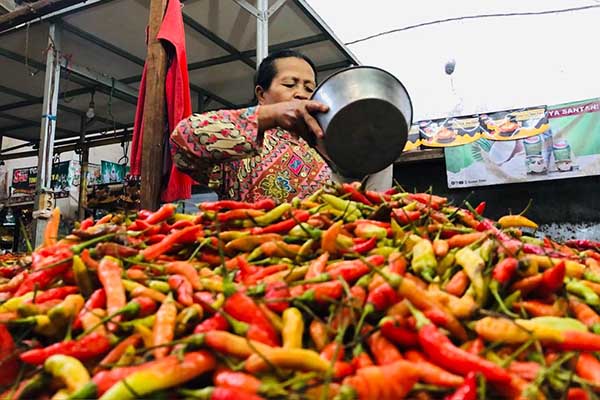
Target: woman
263, 151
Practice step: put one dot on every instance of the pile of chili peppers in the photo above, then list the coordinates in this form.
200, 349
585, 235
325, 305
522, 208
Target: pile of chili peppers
346, 294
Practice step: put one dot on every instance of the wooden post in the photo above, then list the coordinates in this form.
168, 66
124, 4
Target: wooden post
154, 111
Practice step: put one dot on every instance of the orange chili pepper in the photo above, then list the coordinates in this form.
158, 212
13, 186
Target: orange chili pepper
164, 327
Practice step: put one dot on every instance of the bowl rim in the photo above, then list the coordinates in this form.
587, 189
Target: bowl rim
354, 67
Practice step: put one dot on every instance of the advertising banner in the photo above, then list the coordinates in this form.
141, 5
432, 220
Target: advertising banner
568, 147
112, 172
24, 180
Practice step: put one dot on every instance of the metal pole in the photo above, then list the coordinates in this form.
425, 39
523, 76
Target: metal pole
83, 168
44, 200
262, 31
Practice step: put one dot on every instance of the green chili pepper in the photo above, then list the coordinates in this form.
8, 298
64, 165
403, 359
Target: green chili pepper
82, 277
351, 211
69, 370
580, 289
473, 265
186, 318
447, 262
159, 286
304, 230
486, 249
591, 276
273, 215
147, 322
423, 259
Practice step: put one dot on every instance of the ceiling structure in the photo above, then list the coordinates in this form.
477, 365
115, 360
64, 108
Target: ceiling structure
102, 48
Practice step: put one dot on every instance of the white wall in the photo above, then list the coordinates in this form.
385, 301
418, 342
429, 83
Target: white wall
501, 63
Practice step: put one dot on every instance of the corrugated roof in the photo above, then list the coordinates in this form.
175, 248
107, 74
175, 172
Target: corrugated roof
106, 39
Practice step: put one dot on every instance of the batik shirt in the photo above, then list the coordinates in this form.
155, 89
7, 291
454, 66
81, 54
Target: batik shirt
223, 150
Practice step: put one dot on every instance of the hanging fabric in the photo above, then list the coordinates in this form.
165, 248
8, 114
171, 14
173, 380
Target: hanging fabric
178, 103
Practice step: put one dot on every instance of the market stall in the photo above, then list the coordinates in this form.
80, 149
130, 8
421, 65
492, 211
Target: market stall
96, 70
345, 294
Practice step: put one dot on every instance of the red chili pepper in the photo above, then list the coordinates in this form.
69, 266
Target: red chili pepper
362, 360
114, 250
9, 365
243, 308
505, 270
86, 223
184, 223
228, 393
236, 214
583, 244
58, 293
163, 213
467, 391
143, 214
10, 271
445, 354
115, 354
480, 208
476, 346
96, 300
87, 259
186, 235
89, 346
236, 379
109, 274
393, 330
140, 225
382, 297
324, 292
276, 295
350, 271
14, 282
405, 217
383, 350
355, 194
431, 373
537, 308
577, 394
376, 197
284, 226
42, 278
553, 278
215, 323
458, 284
265, 204
183, 287
264, 272
317, 266
527, 370
588, 367
364, 247
330, 350
435, 202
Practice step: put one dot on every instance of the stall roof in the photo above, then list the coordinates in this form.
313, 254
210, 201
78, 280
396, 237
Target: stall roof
103, 51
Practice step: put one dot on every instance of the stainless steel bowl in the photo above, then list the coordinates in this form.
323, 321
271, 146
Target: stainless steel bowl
367, 124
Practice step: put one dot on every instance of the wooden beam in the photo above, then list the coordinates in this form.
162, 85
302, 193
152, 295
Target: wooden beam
154, 110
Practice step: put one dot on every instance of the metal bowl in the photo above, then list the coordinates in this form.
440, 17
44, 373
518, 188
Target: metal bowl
366, 127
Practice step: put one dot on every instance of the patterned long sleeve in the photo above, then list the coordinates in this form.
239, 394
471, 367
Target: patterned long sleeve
202, 142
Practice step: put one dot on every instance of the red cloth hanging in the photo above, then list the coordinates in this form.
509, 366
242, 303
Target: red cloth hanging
179, 104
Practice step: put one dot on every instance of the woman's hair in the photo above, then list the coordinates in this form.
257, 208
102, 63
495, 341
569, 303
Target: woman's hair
267, 70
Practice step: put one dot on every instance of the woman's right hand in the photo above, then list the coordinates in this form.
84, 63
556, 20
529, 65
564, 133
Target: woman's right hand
295, 116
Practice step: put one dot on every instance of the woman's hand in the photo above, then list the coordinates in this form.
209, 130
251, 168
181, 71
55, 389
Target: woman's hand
294, 116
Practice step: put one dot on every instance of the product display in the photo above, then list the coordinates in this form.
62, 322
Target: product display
345, 294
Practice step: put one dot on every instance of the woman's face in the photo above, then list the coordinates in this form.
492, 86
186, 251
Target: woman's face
294, 79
